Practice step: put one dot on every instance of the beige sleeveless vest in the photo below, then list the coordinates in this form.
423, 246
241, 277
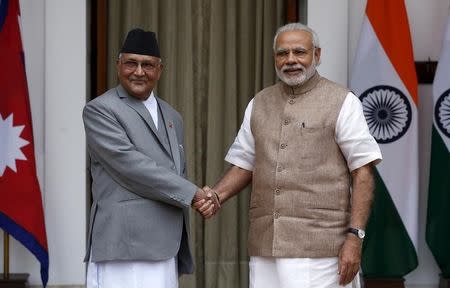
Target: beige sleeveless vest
300, 202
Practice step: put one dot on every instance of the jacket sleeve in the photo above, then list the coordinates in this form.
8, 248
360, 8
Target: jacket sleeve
135, 171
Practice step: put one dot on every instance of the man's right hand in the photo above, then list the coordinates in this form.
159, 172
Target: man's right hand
206, 202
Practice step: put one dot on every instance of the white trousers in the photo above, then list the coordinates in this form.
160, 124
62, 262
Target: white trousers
267, 272
132, 274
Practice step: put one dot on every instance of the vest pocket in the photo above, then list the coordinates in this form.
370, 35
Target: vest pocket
313, 145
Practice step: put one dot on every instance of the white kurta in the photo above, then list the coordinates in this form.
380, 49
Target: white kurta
266, 272
134, 274
359, 148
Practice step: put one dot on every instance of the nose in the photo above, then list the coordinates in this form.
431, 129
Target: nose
291, 58
139, 71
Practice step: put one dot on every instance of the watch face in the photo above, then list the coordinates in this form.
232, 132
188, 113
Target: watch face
361, 234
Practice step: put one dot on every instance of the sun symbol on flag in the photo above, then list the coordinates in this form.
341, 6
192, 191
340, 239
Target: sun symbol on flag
10, 144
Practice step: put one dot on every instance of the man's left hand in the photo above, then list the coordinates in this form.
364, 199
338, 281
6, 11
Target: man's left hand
349, 259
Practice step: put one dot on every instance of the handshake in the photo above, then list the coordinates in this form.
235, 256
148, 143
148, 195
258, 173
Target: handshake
206, 201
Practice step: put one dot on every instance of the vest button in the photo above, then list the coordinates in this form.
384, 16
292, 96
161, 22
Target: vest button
286, 122
291, 101
277, 191
283, 145
276, 215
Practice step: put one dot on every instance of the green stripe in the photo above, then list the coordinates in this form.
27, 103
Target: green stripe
438, 215
387, 250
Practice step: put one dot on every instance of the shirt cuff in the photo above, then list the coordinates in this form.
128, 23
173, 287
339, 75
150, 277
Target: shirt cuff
236, 161
376, 158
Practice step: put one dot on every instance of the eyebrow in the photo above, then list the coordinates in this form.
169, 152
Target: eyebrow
294, 48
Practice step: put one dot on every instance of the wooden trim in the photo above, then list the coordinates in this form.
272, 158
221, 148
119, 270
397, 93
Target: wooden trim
384, 283
99, 42
291, 11
425, 71
101, 46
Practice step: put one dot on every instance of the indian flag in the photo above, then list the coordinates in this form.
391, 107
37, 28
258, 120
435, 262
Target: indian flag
384, 78
438, 218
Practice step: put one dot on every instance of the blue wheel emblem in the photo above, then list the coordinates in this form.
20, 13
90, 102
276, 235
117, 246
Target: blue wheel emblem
387, 111
442, 113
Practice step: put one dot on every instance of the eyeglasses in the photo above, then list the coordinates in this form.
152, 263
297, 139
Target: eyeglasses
300, 53
147, 66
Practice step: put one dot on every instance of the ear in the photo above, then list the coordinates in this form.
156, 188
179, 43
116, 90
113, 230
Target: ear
317, 52
160, 69
118, 65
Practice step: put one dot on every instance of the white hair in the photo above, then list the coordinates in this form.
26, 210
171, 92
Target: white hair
293, 27
120, 56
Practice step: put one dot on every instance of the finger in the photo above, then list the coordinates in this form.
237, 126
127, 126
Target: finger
350, 275
354, 273
198, 204
216, 209
209, 215
205, 206
342, 274
208, 211
214, 212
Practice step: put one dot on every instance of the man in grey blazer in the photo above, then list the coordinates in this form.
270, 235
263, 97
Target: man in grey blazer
139, 223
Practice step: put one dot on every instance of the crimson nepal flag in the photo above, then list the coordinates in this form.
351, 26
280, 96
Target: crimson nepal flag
21, 213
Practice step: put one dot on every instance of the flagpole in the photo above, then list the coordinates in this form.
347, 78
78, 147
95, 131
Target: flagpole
5, 255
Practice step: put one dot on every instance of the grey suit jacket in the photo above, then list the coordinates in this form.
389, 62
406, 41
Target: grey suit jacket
141, 199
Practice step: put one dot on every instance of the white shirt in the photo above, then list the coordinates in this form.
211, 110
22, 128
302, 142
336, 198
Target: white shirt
152, 107
352, 135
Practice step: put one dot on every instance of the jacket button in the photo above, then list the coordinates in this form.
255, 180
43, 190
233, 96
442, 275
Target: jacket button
283, 145
279, 168
173, 167
277, 191
291, 101
286, 122
276, 215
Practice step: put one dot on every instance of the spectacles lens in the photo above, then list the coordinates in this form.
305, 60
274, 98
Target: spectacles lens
146, 66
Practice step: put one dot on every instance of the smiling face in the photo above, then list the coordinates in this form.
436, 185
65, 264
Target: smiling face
138, 74
295, 57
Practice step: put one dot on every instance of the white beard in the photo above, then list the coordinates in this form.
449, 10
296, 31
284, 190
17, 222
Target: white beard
296, 80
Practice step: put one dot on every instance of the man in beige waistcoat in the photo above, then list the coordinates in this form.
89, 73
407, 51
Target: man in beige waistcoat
305, 146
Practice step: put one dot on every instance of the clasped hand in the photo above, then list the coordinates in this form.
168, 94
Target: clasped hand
206, 202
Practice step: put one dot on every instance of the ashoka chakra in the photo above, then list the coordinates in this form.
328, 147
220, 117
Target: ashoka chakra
387, 111
442, 113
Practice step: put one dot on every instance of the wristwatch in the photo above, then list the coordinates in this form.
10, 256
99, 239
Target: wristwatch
358, 232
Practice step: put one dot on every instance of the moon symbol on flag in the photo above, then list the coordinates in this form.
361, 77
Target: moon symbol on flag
387, 111
442, 113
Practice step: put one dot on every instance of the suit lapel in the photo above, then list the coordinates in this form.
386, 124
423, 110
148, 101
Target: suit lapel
139, 107
169, 125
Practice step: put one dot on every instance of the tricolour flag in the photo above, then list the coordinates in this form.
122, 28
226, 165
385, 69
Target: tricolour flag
384, 78
21, 213
438, 217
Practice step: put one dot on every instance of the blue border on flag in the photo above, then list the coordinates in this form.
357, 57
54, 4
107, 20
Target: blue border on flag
29, 241
3, 12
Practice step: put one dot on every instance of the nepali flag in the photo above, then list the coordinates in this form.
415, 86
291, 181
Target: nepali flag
21, 213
